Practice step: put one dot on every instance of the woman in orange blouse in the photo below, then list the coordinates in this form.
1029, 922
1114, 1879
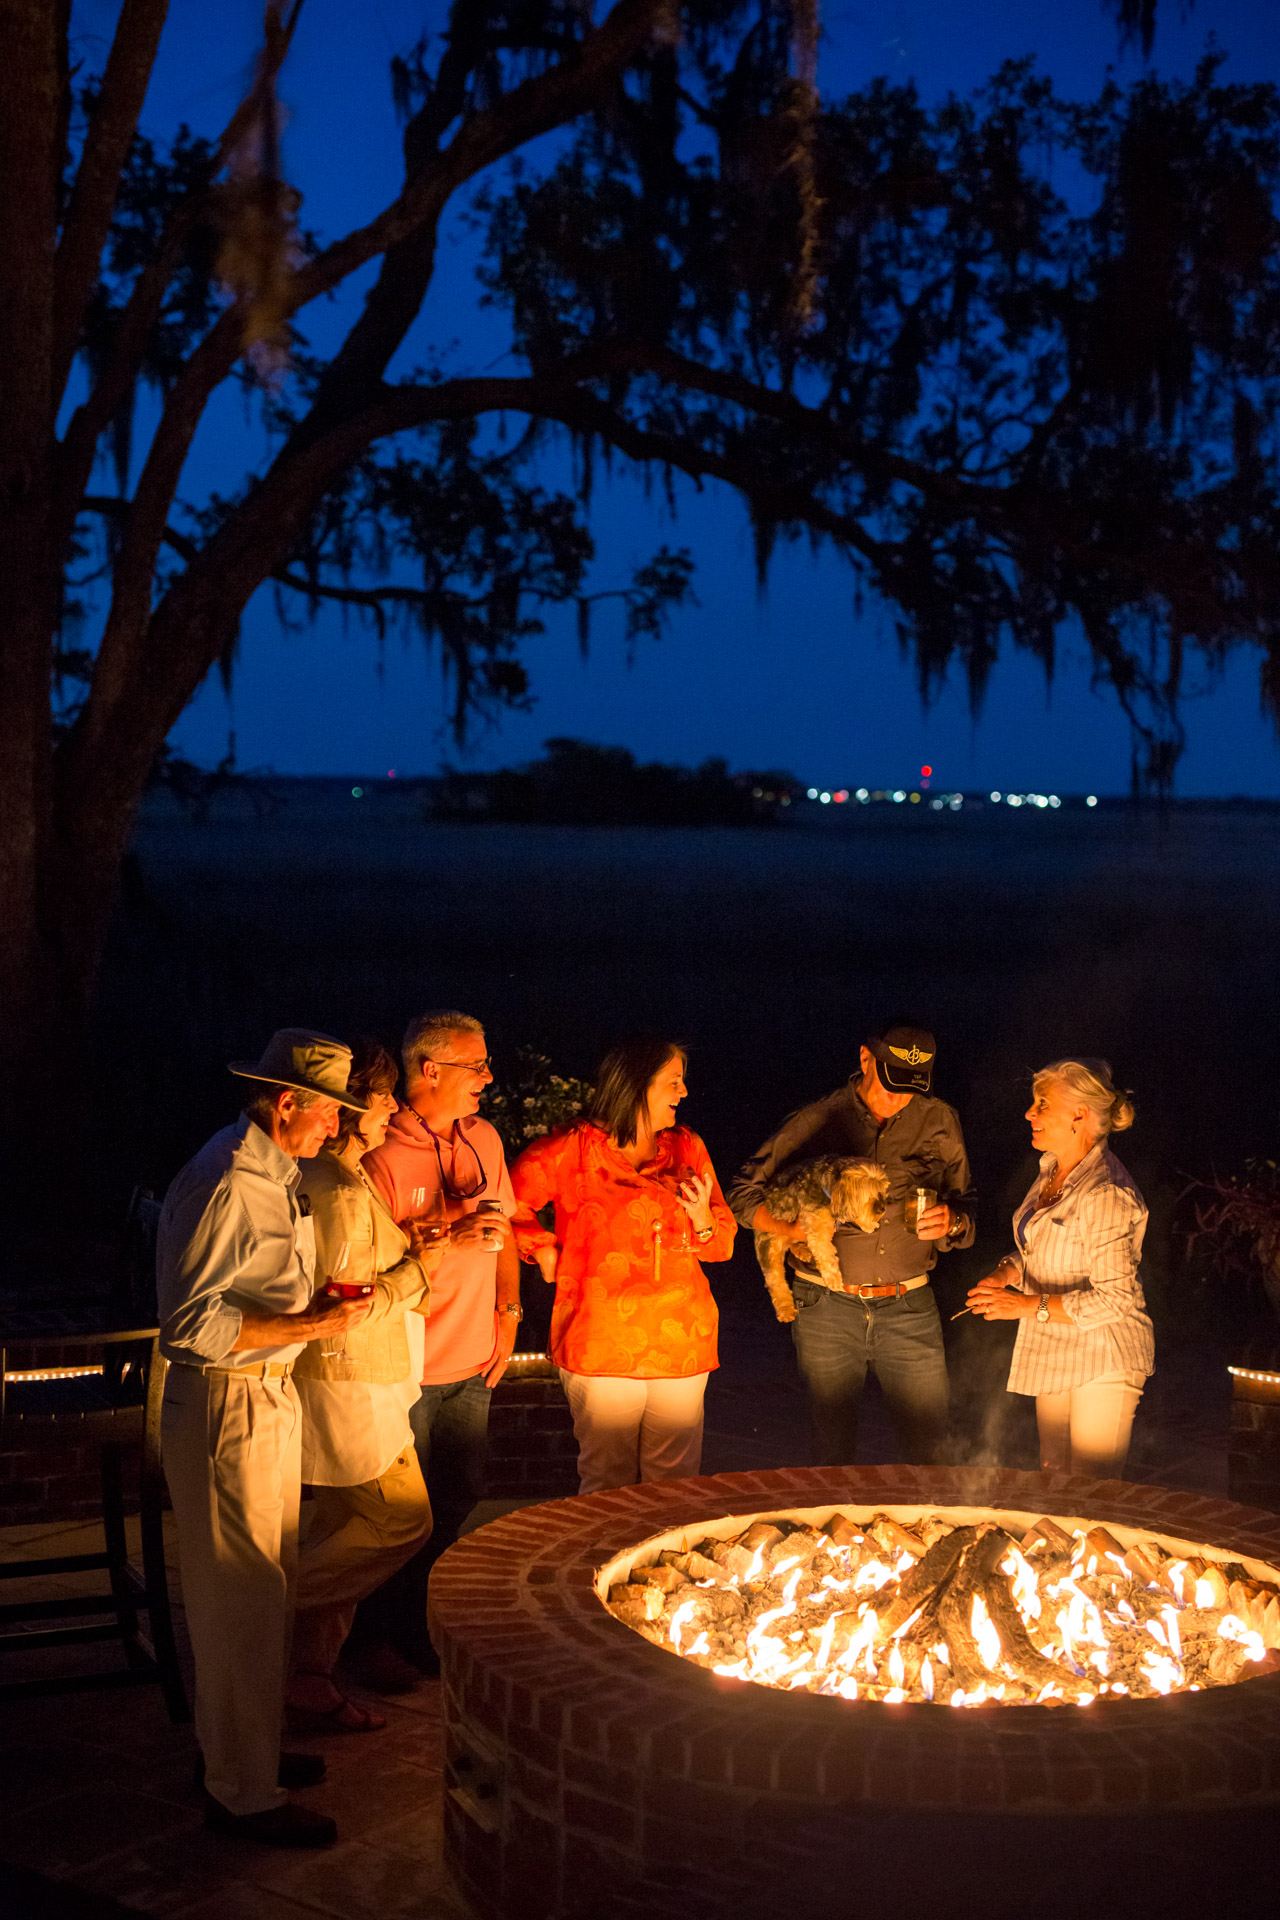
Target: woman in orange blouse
633, 1329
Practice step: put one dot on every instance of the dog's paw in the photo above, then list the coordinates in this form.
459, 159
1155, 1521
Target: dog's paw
785, 1310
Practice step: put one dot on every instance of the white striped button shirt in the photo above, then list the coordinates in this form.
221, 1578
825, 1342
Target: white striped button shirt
1085, 1248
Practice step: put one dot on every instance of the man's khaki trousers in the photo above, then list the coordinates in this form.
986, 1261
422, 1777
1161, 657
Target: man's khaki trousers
358, 1537
233, 1459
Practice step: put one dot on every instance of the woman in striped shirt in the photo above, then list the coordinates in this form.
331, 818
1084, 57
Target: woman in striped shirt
1085, 1345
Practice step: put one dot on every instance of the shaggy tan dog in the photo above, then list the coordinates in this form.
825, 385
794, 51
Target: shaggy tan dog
822, 1195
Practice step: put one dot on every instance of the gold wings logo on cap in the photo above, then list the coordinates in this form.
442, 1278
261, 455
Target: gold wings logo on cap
912, 1055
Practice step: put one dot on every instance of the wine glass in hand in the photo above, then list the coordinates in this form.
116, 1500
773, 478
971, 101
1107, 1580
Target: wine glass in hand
343, 1284
334, 1285
430, 1216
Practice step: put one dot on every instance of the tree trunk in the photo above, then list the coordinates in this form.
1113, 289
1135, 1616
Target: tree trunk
54, 935
31, 96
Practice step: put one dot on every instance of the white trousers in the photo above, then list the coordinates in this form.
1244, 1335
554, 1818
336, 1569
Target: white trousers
233, 1459
629, 1430
1086, 1429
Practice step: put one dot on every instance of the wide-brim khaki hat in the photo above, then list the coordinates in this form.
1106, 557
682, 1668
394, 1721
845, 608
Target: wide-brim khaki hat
308, 1062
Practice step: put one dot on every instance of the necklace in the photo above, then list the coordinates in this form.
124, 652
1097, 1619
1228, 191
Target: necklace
1053, 1187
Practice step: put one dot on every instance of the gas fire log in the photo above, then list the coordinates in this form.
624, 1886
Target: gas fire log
634, 1605
893, 1538
800, 1546
666, 1579
842, 1532
1015, 1642
955, 1611
762, 1534
734, 1559
1047, 1547
1145, 1566
1047, 1535
980, 1576
921, 1582
1213, 1575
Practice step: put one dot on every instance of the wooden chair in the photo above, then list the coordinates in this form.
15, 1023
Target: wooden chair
68, 1389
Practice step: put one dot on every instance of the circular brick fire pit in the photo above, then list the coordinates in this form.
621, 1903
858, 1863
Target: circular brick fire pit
589, 1770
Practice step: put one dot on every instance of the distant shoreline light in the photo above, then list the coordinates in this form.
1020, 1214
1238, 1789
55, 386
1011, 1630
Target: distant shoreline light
1053, 802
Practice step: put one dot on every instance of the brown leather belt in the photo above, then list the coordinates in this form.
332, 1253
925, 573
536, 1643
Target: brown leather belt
894, 1291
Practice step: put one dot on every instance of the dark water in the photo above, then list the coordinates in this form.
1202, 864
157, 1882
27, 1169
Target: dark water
1017, 937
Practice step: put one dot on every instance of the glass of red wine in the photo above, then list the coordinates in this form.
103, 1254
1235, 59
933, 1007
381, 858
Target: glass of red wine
341, 1286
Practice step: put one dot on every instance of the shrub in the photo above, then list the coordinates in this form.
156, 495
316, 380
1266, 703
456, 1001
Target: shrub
533, 1101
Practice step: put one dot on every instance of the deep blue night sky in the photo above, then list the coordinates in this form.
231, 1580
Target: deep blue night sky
793, 680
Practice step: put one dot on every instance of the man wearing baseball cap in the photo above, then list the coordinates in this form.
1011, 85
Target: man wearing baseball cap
883, 1317
235, 1260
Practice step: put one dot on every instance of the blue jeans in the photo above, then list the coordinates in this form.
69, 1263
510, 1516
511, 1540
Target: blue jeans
838, 1337
451, 1433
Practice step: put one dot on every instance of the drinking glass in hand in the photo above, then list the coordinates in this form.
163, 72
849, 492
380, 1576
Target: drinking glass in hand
342, 1286
431, 1217
919, 1202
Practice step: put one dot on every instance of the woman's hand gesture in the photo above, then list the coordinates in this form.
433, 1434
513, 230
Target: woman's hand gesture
695, 1198
994, 1299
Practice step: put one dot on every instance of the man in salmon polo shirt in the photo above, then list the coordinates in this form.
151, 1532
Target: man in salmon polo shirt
438, 1145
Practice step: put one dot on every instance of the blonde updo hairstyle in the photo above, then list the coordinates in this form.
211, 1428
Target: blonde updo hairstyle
1110, 1108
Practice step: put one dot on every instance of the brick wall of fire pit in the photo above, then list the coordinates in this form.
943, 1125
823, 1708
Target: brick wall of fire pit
532, 1452
591, 1771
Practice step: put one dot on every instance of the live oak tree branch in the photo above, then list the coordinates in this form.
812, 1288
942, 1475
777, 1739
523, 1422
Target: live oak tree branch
97, 181
875, 322
485, 137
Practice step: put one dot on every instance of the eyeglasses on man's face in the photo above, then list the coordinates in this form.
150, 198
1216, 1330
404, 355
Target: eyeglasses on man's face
466, 1066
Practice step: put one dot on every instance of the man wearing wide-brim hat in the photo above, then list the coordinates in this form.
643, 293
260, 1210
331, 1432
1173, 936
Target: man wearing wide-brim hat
235, 1269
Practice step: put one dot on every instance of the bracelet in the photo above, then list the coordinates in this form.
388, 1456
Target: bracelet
510, 1308
703, 1234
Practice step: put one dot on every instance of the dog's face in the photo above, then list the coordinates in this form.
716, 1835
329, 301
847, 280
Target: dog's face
859, 1194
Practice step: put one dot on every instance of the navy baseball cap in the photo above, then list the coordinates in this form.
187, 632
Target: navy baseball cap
905, 1058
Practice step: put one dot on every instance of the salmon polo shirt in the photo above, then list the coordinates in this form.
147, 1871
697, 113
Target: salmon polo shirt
459, 1337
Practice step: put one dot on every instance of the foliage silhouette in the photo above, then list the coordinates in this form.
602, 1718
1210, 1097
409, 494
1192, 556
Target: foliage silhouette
889, 327
578, 783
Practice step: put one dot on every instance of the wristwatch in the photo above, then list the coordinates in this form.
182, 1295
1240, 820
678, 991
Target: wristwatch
510, 1308
703, 1234
1042, 1311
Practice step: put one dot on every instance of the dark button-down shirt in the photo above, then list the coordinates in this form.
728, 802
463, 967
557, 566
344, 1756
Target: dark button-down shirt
920, 1147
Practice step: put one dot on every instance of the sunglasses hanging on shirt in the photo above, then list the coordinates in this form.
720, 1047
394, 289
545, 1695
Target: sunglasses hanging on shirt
453, 1189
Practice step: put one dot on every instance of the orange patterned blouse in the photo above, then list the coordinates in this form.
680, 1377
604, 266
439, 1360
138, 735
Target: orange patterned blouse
631, 1298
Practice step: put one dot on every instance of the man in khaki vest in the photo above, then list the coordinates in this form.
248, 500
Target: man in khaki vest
235, 1271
